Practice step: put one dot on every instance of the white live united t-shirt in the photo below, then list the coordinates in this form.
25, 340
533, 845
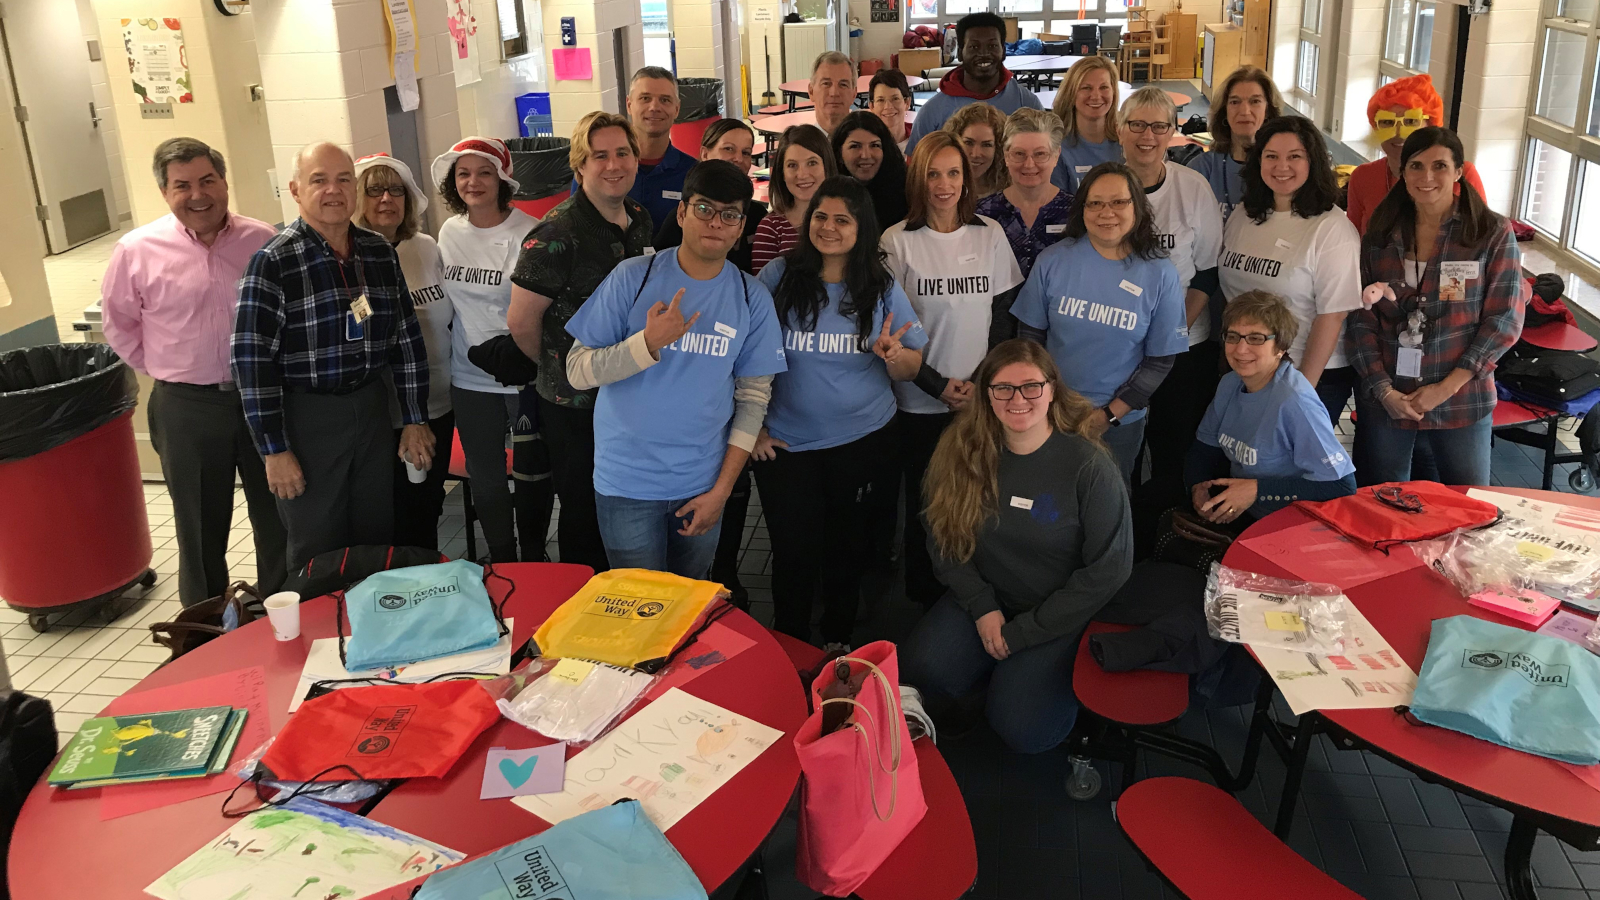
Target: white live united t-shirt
477, 278
1189, 226
951, 280
1313, 264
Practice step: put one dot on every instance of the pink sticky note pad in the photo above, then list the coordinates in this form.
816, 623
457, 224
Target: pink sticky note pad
245, 688
1530, 607
1569, 627
572, 63
518, 773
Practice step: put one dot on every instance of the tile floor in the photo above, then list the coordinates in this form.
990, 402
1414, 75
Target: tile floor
1375, 827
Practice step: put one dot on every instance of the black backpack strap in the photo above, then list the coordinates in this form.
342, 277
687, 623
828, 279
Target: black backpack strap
649, 267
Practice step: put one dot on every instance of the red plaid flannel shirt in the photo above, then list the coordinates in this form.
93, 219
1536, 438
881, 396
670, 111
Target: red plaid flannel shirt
1468, 334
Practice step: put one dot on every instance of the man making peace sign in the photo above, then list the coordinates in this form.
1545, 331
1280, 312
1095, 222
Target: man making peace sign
683, 347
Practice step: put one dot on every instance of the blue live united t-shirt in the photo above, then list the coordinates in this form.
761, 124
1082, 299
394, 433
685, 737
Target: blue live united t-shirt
1103, 316
1280, 431
834, 392
661, 434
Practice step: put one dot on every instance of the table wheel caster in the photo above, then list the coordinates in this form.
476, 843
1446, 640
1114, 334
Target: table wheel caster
1581, 480
39, 622
1083, 782
148, 579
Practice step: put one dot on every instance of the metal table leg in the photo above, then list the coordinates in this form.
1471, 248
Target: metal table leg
1519, 860
1303, 733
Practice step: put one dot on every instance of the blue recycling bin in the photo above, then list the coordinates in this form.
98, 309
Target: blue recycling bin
533, 115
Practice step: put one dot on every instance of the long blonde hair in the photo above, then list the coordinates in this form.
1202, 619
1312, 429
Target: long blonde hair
994, 180
962, 484
1066, 105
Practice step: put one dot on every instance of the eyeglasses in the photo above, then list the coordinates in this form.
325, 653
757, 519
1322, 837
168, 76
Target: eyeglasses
705, 212
1032, 390
1399, 499
1119, 204
1254, 340
393, 190
1039, 157
1138, 127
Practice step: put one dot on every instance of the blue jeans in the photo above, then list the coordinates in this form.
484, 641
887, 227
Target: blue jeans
1030, 703
1383, 452
643, 534
1124, 442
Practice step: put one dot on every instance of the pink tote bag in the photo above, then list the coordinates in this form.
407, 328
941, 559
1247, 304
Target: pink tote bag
860, 793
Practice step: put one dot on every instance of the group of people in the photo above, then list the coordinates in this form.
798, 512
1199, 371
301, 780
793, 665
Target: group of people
998, 329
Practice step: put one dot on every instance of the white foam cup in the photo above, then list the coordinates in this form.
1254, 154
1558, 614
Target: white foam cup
283, 611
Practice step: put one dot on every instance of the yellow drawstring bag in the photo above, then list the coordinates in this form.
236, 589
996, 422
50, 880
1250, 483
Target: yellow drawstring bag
627, 617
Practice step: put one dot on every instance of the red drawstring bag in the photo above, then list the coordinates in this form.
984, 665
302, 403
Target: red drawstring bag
383, 731
1400, 511
860, 794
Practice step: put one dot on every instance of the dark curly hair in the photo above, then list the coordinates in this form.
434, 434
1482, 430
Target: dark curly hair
1319, 194
801, 295
1142, 241
452, 197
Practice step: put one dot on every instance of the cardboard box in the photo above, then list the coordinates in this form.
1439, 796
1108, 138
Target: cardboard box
914, 62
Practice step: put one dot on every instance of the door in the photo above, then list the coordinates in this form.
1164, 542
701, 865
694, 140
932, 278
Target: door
48, 60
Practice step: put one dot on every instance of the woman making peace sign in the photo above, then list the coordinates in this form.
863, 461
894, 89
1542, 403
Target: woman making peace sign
848, 329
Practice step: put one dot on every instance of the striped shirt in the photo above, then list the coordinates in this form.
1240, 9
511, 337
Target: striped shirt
774, 238
295, 328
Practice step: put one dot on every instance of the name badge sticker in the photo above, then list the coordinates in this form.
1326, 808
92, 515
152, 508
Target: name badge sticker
1081, 169
725, 330
1466, 271
1131, 288
1282, 244
672, 195
1055, 229
1022, 503
649, 251
361, 309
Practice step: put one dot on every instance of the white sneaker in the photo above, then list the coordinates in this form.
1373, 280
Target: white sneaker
917, 719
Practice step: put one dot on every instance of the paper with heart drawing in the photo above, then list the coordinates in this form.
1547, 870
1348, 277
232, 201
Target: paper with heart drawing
518, 773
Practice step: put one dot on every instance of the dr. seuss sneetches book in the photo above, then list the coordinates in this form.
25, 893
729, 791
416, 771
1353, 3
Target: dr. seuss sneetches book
172, 744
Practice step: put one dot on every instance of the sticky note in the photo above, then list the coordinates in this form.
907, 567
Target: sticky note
572, 63
518, 773
1535, 552
1285, 621
572, 671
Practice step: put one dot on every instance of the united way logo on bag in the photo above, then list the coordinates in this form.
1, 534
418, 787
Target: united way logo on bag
1535, 671
393, 602
531, 876
623, 606
381, 730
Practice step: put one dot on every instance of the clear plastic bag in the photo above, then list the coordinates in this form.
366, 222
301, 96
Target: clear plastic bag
1246, 608
569, 700
327, 791
1513, 555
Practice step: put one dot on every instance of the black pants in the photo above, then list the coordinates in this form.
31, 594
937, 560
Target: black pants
535, 495
202, 439
725, 567
918, 435
417, 507
346, 450
569, 436
1176, 409
816, 503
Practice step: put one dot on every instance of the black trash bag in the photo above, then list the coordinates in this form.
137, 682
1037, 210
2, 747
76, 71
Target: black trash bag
699, 98
539, 164
53, 393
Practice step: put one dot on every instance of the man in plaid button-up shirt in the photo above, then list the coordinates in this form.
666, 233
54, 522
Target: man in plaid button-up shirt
323, 314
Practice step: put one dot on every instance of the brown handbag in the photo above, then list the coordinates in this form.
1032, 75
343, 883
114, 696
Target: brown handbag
1184, 538
239, 605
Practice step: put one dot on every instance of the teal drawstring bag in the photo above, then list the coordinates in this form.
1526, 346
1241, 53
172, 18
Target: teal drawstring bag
1515, 688
411, 614
613, 853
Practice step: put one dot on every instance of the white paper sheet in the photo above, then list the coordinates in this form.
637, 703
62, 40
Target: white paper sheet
670, 756
322, 664
1368, 675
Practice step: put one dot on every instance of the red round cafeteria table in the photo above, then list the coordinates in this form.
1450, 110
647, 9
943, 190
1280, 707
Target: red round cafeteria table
62, 849
779, 123
1540, 793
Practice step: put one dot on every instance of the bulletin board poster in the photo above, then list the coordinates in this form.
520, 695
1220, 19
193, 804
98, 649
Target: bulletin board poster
156, 60
463, 41
885, 10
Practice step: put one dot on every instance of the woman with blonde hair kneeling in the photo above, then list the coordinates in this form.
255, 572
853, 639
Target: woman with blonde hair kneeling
1032, 534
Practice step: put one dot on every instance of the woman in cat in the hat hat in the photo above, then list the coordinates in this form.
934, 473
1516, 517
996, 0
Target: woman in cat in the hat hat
479, 245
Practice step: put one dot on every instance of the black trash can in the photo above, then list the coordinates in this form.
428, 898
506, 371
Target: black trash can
699, 98
539, 164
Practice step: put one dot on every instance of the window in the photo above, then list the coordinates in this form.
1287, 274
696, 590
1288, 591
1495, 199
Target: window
1408, 39
1034, 15
1311, 16
1560, 191
1306, 80
513, 31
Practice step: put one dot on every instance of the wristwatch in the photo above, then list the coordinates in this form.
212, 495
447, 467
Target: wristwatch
1111, 417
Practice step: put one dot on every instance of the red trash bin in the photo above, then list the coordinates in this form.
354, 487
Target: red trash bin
74, 529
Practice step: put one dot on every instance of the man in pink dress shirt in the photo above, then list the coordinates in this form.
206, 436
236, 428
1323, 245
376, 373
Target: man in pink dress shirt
168, 303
